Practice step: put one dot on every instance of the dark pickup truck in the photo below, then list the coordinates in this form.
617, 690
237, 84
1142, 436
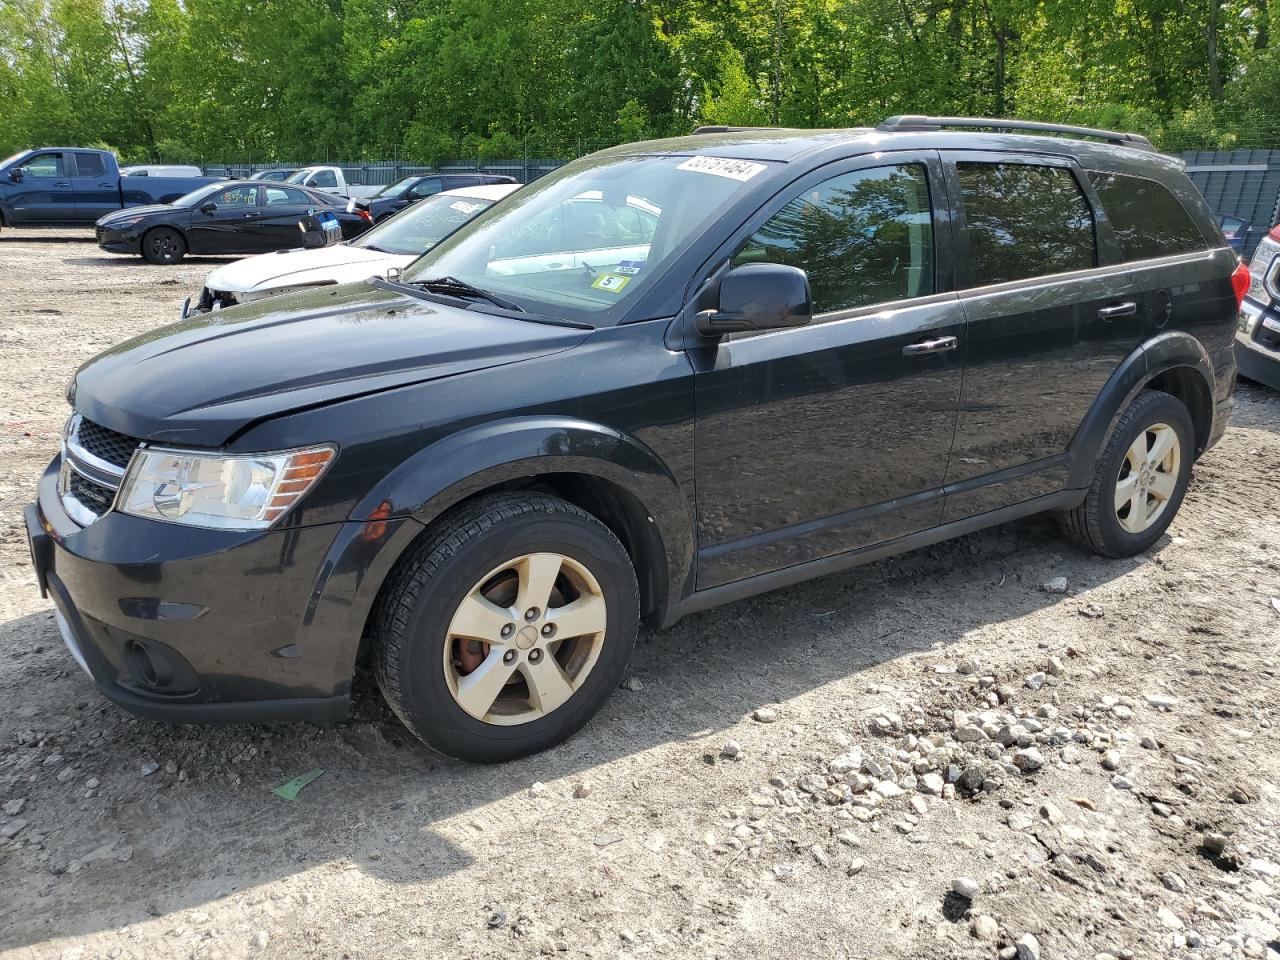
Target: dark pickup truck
77, 185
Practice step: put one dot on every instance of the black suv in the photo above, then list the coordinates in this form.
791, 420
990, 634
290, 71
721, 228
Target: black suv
666, 376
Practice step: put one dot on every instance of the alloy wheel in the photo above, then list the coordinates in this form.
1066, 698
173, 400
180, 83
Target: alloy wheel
1148, 477
524, 639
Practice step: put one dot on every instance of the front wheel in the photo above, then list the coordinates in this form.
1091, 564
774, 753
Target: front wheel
508, 628
163, 245
1139, 480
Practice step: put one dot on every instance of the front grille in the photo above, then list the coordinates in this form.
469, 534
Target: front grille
105, 444
92, 496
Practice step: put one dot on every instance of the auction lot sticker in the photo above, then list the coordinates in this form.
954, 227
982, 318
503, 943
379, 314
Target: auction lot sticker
723, 167
611, 282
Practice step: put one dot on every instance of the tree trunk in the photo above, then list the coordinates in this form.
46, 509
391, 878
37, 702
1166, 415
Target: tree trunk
1211, 51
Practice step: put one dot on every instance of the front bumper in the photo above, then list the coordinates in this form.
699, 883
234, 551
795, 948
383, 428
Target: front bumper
117, 241
1258, 344
180, 623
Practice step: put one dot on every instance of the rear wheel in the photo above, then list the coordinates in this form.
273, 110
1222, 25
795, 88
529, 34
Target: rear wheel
1139, 480
163, 245
508, 628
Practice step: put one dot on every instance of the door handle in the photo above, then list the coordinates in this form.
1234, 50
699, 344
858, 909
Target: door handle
106, 184
62, 184
1126, 309
936, 345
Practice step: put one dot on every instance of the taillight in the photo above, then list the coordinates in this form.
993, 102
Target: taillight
1274, 233
365, 215
1240, 283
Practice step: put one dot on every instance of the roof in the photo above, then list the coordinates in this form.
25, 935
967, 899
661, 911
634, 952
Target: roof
485, 191
789, 145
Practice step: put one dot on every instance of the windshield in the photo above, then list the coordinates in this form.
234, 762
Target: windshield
393, 188
198, 194
420, 227
581, 243
4, 163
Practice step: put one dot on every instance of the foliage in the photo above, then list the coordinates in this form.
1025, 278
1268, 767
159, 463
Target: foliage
302, 80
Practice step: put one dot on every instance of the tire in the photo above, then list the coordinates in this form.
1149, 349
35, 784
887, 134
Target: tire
1101, 523
494, 549
163, 245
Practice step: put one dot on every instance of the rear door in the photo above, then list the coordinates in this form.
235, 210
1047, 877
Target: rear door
283, 208
95, 192
231, 226
822, 439
1051, 313
44, 194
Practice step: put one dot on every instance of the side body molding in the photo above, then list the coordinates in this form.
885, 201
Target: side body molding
1158, 355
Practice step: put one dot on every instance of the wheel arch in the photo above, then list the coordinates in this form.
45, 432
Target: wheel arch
614, 476
1174, 362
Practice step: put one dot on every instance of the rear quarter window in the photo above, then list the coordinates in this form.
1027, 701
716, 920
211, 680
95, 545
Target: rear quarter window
1148, 220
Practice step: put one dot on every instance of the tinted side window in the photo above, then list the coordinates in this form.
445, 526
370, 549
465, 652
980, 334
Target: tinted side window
1024, 221
1147, 219
89, 165
44, 165
277, 196
325, 178
426, 188
864, 237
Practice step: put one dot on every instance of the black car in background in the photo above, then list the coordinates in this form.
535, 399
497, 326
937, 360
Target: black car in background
663, 377
245, 216
396, 196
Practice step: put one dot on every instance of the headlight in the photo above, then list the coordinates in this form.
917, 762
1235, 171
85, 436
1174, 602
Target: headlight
126, 222
226, 491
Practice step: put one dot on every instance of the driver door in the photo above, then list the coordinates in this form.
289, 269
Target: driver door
231, 226
43, 194
828, 438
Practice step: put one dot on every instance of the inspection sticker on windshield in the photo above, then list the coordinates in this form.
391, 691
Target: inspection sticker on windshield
610, 282
629, 267
463, 207
723, 167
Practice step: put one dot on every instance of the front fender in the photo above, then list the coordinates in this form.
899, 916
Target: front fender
1156, 356
492, 454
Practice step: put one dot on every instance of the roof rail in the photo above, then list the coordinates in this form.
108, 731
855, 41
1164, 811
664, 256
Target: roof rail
913, 123
718, 129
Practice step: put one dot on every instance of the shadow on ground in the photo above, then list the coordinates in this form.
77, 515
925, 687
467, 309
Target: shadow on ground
195, 842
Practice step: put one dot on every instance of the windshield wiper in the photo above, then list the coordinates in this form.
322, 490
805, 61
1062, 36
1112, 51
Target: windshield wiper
456, 287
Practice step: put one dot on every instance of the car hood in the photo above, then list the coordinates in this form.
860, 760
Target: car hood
339, 263
204, 380
128, 212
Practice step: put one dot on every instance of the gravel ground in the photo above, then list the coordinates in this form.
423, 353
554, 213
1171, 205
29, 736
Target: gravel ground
949, 754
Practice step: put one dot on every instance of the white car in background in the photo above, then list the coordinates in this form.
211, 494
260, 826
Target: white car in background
394, 243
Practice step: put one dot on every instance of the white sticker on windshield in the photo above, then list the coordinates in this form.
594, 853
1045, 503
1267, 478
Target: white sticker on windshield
723, 167
463, 207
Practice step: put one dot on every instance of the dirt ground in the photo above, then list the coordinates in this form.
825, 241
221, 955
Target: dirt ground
1095, 770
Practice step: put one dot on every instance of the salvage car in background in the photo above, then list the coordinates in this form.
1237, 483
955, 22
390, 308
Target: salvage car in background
245, 216
394, 197
65, 186
396, 242
1258, 332
277, 176
330, 180
161, 170
1235, 230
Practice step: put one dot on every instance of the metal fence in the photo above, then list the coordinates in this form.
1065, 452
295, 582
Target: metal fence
1239, 183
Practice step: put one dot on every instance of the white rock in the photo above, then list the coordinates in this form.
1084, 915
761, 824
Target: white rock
931, 783
1111, 760
1169, 919
583, 790
1160, 701
1028, 946
1035, 681
820, 855
1028, 760
13, 828
633, 684
966, 887
1121, 782
888, 789
764, 715
855, 867
538, 789
732, 750
149, 768
1054, 585
14, 807
984, 927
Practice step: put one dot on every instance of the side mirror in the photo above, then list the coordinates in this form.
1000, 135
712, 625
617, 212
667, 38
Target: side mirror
759, 296
16, 174
208, 207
